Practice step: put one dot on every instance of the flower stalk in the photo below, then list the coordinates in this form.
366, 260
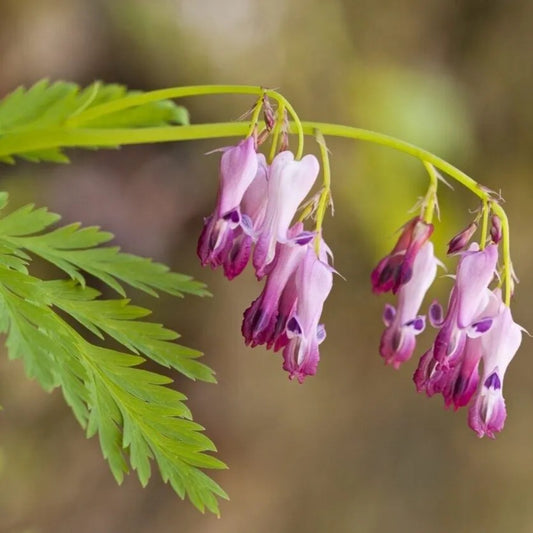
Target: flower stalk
430, 200
257, 201
74, 134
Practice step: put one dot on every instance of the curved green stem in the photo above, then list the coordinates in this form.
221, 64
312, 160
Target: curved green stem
135, 100
484, 224
430, 200
325, 194
255, 115
75, 135
349, 132
506, 245
65, 137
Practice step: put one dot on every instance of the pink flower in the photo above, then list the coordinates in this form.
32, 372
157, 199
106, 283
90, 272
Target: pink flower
450, 367
460, 241
263, 323
222, 241
456, 383
253, 206
396, 269
403, 324
287, 312
312, 285
487, 413
289, 183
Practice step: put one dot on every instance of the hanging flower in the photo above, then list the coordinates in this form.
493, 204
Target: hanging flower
238, 168
289, 183
461, 240
287, 312
498, 346
253, 206
396, 269
403, 323
312, 284
468, 317
263, 322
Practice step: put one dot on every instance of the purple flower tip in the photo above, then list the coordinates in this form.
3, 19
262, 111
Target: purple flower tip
418, 324
388, 314
482, 326
232, 216
493, 382
435, 314
461, 240
304, 238
293, 327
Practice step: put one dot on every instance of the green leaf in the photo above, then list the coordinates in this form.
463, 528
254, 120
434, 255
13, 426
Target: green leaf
75, 250
140, 420
32, 112
119, 320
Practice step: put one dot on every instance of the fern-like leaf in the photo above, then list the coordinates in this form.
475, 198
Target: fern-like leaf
139, 419
75, 250
31, 112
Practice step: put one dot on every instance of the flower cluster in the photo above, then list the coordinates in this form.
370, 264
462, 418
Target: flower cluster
255, 207
476, 331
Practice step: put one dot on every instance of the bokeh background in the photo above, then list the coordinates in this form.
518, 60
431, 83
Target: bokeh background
354, 449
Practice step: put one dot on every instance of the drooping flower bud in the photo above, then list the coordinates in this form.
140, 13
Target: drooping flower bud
287, 312
495, 229
461, 240
396, 269
253, 205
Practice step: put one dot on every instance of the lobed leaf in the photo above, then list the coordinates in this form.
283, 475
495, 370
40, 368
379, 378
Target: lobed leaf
46, 106
75, 250
139, 419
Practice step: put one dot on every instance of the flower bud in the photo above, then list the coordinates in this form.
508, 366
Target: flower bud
460, 241
495, 229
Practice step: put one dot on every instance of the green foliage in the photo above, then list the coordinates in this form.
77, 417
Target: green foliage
45, 107
58, 327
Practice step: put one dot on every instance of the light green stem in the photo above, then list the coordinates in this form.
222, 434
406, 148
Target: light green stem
79, 137
74, 135
484, 224
430, 200
498, 210
255, 115
135, 100
325, 195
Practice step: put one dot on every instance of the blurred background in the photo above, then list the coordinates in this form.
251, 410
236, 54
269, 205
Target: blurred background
354, 449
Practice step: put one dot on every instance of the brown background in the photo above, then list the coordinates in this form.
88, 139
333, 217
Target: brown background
354, 449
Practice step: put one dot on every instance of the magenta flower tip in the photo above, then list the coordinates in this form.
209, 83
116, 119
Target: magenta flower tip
461, 240
396, 269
